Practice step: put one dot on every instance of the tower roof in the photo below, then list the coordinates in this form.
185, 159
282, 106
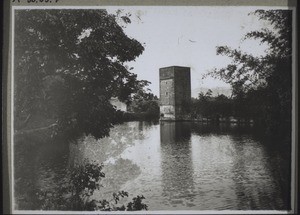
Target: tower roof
175, 67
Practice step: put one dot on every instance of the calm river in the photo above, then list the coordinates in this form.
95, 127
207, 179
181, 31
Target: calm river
176, 166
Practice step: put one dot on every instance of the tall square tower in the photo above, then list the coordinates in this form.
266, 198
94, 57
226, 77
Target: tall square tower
175, 92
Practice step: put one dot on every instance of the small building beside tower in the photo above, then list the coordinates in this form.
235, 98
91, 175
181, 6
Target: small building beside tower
118, 104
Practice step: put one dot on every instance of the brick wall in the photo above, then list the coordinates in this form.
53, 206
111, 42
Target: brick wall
175, 92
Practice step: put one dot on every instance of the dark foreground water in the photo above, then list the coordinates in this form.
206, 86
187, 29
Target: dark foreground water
176, 166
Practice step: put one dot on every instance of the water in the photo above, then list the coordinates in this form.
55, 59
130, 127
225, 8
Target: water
176, 166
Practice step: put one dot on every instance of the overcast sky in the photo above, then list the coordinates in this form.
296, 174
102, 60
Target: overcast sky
188, 36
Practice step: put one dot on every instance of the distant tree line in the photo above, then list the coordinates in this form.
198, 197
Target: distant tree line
143, 106
221, 107
208, 106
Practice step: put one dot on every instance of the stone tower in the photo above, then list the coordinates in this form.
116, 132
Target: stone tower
175, 93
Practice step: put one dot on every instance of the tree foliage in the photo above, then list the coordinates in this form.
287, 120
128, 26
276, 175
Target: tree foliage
144, 102
247, 71
77, 194
68, 64
263, 82
209, 106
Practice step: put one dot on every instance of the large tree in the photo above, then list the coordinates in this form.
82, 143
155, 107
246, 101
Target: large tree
67, 66
263, 84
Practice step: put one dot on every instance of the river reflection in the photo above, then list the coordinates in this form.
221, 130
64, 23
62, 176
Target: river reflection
175, 165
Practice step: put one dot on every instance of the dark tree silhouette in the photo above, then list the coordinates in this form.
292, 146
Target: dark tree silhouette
262, 86
68, 64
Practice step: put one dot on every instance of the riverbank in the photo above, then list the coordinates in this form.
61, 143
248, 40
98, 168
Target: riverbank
229, 120
131, 116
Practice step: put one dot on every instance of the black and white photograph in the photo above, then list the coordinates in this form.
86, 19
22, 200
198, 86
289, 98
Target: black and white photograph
169, 109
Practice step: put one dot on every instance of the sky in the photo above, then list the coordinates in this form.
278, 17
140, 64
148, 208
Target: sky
188, 36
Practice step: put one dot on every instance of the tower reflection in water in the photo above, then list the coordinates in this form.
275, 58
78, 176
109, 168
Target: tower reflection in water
176, 164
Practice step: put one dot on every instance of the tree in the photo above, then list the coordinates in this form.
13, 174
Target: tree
68, 64
77, 193
222, 106
268, 77
145, 102
210, 106
203, 104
